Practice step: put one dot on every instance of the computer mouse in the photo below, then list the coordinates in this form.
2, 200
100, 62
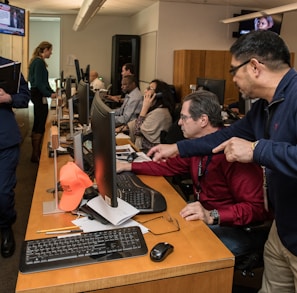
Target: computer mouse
90, 192
131, 157
160, 251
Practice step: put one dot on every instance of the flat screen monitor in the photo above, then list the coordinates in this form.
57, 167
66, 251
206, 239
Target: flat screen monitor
82, 146
12, 20
266, 22
216, 86
77, 70
68, 85
83, 102
104, 150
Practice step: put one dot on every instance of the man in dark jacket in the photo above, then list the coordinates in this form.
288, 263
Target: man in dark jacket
10, 139
267, 135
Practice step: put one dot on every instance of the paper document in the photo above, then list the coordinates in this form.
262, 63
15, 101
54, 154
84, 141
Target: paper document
117, 215
88, 225
122, 135
124, 149
10, 75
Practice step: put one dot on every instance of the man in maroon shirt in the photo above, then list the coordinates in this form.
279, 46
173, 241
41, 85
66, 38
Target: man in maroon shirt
229, 196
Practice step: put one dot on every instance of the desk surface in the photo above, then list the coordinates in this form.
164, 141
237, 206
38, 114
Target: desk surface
199, 259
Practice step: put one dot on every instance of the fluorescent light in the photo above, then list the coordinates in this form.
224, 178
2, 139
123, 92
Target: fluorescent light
271, 11
88, 9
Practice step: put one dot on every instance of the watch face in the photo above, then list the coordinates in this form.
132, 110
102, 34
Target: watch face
216, 217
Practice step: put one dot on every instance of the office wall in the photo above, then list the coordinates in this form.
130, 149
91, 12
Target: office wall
92, 45
46, 30
163, 27
146, 25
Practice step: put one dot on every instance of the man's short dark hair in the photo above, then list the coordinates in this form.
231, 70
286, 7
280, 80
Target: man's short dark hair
130, 78
264, 45
205, 102
130, 66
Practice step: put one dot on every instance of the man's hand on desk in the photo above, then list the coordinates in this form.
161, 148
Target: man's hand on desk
195, 211
123, 166
116, 99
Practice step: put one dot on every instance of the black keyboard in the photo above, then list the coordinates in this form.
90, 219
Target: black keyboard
132, 190
86, 248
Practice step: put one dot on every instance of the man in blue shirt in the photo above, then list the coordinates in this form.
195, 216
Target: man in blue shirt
267, 135
10, 139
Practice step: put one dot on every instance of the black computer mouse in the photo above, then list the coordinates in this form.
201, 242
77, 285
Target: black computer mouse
160, 251
90, 192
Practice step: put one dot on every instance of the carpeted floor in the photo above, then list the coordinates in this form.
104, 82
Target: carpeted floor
26, 174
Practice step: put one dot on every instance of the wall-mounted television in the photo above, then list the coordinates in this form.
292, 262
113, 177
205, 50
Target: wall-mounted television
12, 20
266, 22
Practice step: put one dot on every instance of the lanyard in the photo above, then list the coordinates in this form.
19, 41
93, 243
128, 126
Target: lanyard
201, 173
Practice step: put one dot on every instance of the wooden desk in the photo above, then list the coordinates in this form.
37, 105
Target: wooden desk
200, 262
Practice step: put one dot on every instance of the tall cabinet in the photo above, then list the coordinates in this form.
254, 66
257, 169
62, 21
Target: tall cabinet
125, 49
190, 64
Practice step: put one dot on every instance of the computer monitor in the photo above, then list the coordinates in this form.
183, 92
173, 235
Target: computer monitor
83, 102
216, 86
67, 86
104, 150
77, 70
12, 20
82, 152
62, 80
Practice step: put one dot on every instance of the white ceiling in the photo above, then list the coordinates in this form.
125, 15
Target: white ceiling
131, 7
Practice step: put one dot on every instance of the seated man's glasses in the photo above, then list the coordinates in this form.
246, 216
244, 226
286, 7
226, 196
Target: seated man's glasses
184, 117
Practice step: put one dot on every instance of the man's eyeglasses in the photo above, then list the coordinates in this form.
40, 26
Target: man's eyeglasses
234, 69
184, 117
162, 225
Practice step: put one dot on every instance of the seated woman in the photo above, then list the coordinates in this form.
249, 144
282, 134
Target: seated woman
155, 115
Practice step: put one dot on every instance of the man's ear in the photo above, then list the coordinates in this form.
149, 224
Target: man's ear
204, 120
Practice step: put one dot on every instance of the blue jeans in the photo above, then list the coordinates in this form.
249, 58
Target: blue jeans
240, 241
9, 159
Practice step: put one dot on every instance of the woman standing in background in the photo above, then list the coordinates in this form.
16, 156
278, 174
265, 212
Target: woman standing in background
40, 90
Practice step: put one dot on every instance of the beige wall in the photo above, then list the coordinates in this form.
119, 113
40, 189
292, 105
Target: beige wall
163, 27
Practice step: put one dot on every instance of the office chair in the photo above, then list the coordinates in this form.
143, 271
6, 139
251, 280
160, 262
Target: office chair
247, 263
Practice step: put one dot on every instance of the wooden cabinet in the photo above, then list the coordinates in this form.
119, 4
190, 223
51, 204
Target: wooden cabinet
190, 64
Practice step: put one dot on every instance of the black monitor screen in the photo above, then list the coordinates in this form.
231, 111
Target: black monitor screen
83, 102
68, 84
77, 70
12, 20
266, 22
216, 86
104, 150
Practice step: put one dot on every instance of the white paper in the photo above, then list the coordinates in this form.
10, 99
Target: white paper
142, 157
88, 225
124, 149
123, 212
122, 135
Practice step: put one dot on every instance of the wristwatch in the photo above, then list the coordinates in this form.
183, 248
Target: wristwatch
216, 217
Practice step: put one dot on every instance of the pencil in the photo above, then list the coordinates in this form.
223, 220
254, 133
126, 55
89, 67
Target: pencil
63, 232
57, 229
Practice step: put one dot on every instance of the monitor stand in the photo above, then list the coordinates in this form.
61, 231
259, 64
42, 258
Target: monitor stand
71, 119
78, 149
51, 207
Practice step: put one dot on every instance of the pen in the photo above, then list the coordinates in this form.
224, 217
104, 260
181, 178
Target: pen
57, 229
63, 232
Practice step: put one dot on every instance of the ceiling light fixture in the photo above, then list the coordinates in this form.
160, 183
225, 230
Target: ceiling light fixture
271, 11
88, 9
